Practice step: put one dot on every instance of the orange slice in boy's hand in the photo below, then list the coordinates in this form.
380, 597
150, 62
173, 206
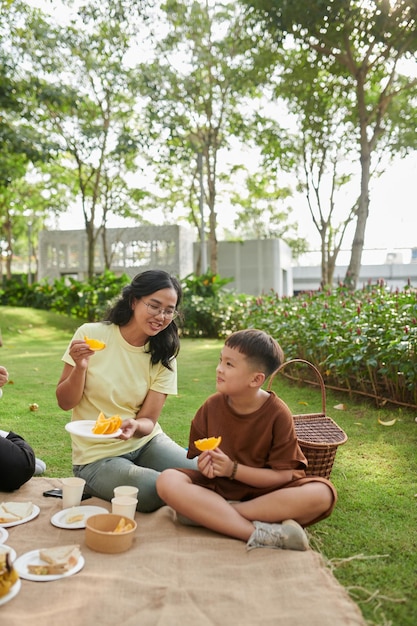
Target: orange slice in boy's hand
95, 344
209, 443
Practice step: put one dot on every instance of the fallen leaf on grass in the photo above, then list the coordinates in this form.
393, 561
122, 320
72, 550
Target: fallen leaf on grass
390, 423
303, 403
340, 407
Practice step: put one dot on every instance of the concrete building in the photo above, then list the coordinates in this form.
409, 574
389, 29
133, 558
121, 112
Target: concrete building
256, 266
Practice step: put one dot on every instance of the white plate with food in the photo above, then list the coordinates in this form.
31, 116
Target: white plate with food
3, 534
84, 428
4, 548
14, 590
49, 564
17, 512
75, 517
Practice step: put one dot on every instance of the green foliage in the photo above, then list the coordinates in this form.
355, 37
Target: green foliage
364, 342
207, 311
85, 301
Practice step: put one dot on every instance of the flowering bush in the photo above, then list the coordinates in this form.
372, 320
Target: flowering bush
363, 341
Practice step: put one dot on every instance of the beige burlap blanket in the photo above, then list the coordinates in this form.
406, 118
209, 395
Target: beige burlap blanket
173, 575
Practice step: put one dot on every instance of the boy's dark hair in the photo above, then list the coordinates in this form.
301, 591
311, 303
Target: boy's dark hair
262, 350
166, 344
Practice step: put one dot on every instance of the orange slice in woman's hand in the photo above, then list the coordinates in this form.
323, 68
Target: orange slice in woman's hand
95, 344
209, 443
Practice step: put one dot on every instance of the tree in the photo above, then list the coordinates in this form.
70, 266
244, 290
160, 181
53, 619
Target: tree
260, 216
364, 42
21, 143
87, 94
208, 70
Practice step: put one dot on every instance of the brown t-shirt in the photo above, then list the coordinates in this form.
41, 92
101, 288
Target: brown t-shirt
265, 438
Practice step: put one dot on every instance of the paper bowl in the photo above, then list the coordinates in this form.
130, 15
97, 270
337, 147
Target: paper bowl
99, 535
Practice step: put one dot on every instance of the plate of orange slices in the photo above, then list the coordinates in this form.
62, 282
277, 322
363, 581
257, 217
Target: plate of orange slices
102, 428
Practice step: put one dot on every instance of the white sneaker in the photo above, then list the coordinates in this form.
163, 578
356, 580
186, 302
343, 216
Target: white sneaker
286, 536
40, 467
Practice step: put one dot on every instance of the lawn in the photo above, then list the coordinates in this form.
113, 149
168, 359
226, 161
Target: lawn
370, 541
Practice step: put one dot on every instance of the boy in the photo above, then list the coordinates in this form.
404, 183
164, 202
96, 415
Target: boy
253, 486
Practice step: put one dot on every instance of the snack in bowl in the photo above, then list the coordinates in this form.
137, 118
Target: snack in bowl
8, 575
106, 425
208, 443
123, 526
94, 344
14, 511
57, 560
101, 533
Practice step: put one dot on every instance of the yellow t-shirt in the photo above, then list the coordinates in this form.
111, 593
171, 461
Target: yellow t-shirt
117, 381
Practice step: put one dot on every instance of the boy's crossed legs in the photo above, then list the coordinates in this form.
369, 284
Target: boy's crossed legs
292, 507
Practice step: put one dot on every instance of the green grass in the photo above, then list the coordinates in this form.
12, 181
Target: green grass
370, 541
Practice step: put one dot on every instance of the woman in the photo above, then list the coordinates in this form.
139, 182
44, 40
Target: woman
130, 377
17, 459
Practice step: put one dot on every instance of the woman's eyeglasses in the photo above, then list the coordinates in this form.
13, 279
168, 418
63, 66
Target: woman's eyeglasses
155, 310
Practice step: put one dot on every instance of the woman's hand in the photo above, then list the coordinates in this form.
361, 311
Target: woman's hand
80, 352
139, 427
128, 429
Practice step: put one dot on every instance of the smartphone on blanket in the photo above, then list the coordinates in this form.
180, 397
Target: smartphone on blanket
57, 493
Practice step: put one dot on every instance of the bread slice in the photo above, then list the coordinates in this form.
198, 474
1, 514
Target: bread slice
57, 560
74, 515
6, 517
19, 510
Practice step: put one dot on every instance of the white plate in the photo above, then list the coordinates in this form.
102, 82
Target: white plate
3, 534
59, 518
32, 558
35, 513
12, 593
4, 548
83, 428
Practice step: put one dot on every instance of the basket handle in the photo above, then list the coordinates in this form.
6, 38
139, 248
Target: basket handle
315, 370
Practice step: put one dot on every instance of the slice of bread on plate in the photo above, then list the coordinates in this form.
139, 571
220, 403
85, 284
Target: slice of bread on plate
74, 515
57, 560
14, 511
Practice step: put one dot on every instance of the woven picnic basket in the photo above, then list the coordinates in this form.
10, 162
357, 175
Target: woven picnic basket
318, 435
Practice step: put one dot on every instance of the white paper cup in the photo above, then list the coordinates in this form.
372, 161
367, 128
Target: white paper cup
72, 491
124, 505
126, 490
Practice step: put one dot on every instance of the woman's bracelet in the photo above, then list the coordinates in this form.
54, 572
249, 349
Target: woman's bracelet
234, 470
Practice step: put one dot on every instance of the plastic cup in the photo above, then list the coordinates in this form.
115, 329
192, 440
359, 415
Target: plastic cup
124, 505
126, 490
72, 491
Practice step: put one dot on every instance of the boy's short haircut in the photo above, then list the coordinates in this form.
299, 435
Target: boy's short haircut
262, 350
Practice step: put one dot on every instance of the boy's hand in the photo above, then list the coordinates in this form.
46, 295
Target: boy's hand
205, 464
214, 463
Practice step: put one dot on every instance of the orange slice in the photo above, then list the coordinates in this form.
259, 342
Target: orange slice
94, 344
106, 425
209, 443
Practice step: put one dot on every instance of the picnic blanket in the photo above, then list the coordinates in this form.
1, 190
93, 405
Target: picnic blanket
173, 575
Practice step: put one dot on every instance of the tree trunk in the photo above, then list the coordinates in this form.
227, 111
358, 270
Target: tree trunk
353, 270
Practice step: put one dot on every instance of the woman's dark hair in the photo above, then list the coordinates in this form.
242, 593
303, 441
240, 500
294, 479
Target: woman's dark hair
166, 344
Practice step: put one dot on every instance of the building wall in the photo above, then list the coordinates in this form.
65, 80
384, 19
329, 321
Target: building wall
256, 266
131, 250
395, 275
